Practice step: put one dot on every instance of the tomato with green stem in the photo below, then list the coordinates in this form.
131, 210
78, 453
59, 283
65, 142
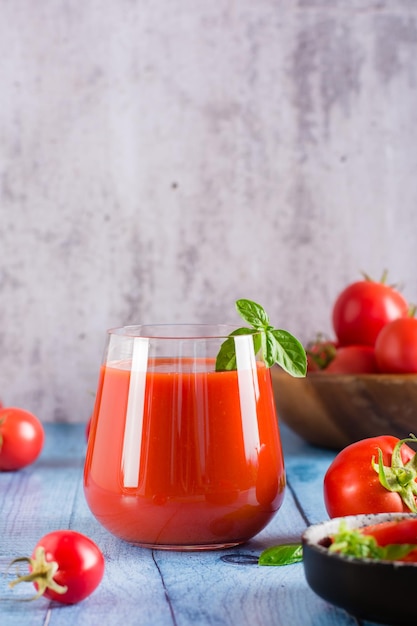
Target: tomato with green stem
373, 475
320, 353
65, 566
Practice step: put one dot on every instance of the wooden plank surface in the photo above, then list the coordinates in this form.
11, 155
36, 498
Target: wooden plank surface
154, 587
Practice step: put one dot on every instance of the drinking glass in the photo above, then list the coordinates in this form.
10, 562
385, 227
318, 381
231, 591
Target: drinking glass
181, 456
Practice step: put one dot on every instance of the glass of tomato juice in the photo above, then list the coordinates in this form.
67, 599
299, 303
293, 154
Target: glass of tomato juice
181, 456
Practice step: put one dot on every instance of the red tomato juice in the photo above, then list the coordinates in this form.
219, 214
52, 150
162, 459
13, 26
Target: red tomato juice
205, 468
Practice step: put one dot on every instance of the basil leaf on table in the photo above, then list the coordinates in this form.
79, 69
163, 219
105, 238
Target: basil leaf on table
285, 554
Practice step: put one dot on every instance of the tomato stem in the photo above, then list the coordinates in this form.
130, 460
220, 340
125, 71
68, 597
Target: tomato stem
382, 280
399, 478
42, 574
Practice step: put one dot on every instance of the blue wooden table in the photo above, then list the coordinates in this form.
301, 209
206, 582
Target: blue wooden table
154, 587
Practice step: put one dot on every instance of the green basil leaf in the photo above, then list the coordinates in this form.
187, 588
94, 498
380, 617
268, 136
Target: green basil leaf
285, 554
397, 551
291, 355
271, 348
243, 331
252, 313
257, 336
257, 342
226, 357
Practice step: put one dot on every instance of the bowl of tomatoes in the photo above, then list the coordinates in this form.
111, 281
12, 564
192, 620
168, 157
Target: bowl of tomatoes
363, 381
365, 564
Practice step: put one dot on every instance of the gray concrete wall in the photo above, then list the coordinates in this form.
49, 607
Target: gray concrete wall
159, 159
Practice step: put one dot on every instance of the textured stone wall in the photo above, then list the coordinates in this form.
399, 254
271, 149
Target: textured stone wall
159, 159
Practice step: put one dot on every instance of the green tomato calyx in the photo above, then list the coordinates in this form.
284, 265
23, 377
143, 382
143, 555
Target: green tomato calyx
399, 478
42, 574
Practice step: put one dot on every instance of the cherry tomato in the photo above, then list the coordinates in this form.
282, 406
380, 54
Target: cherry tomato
396, 347
320, 353
363, 308
21, 438
65, 566
353, 360
353, 483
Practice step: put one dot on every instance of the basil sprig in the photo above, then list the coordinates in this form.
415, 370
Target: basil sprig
277, 345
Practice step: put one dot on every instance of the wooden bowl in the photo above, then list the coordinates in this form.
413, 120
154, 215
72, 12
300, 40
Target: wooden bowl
334, 410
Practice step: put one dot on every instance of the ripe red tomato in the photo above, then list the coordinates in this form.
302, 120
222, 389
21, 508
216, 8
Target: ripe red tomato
352, 485
396, 347
65, 566
21, 438
393, 531
353, 360
402, 531
363, 308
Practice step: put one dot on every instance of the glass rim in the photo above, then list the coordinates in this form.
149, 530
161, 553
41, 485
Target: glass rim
180, 331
